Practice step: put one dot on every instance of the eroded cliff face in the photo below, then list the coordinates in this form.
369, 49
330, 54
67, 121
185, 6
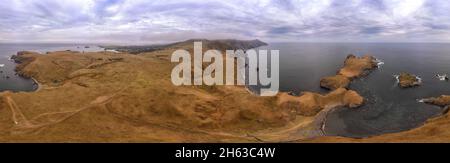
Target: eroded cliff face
354, 67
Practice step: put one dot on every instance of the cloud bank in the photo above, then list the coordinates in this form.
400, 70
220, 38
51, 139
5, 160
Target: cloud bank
158, 21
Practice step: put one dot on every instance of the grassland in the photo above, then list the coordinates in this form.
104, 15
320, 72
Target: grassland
122, 97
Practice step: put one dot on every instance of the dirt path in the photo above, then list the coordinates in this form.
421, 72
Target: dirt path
24, 125
17, 116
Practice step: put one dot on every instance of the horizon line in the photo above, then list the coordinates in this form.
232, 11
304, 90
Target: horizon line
168, 42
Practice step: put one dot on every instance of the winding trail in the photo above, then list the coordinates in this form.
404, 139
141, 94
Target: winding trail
24, 125
17, 116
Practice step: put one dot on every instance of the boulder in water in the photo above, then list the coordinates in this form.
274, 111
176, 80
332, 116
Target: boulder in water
442, 77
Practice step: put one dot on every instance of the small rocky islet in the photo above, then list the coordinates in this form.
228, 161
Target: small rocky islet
407, 80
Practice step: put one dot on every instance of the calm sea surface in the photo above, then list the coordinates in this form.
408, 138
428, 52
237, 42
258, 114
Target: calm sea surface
388, 108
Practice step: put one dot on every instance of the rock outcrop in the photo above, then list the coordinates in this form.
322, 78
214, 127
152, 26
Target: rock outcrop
54, 68
406, 80
309, 104
443, 100
335, 82
435, 130
222, 45
21, 57
353, 67
110, 97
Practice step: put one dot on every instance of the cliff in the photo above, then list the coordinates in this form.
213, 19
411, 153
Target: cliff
354, 67
309, 103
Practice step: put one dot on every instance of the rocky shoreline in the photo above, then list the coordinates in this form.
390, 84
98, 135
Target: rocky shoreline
146, 98
22, 60
406, 80
354, 67
309, 103
73, 74
133, 92
319, 106
433, 130
442, 101
221, 45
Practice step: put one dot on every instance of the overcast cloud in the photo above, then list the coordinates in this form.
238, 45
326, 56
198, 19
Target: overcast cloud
158, 21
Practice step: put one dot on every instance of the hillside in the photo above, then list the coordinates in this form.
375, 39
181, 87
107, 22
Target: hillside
208, 44
122, 97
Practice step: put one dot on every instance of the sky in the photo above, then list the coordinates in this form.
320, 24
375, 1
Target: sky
161, 21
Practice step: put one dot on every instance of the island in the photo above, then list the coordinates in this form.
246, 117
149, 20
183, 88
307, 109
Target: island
407, 80
128, 97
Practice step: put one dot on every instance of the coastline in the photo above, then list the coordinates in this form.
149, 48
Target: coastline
35, 82
286, 117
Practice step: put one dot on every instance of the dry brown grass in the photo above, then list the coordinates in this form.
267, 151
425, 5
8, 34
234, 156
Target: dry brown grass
137, 103
107, 97
353, 67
